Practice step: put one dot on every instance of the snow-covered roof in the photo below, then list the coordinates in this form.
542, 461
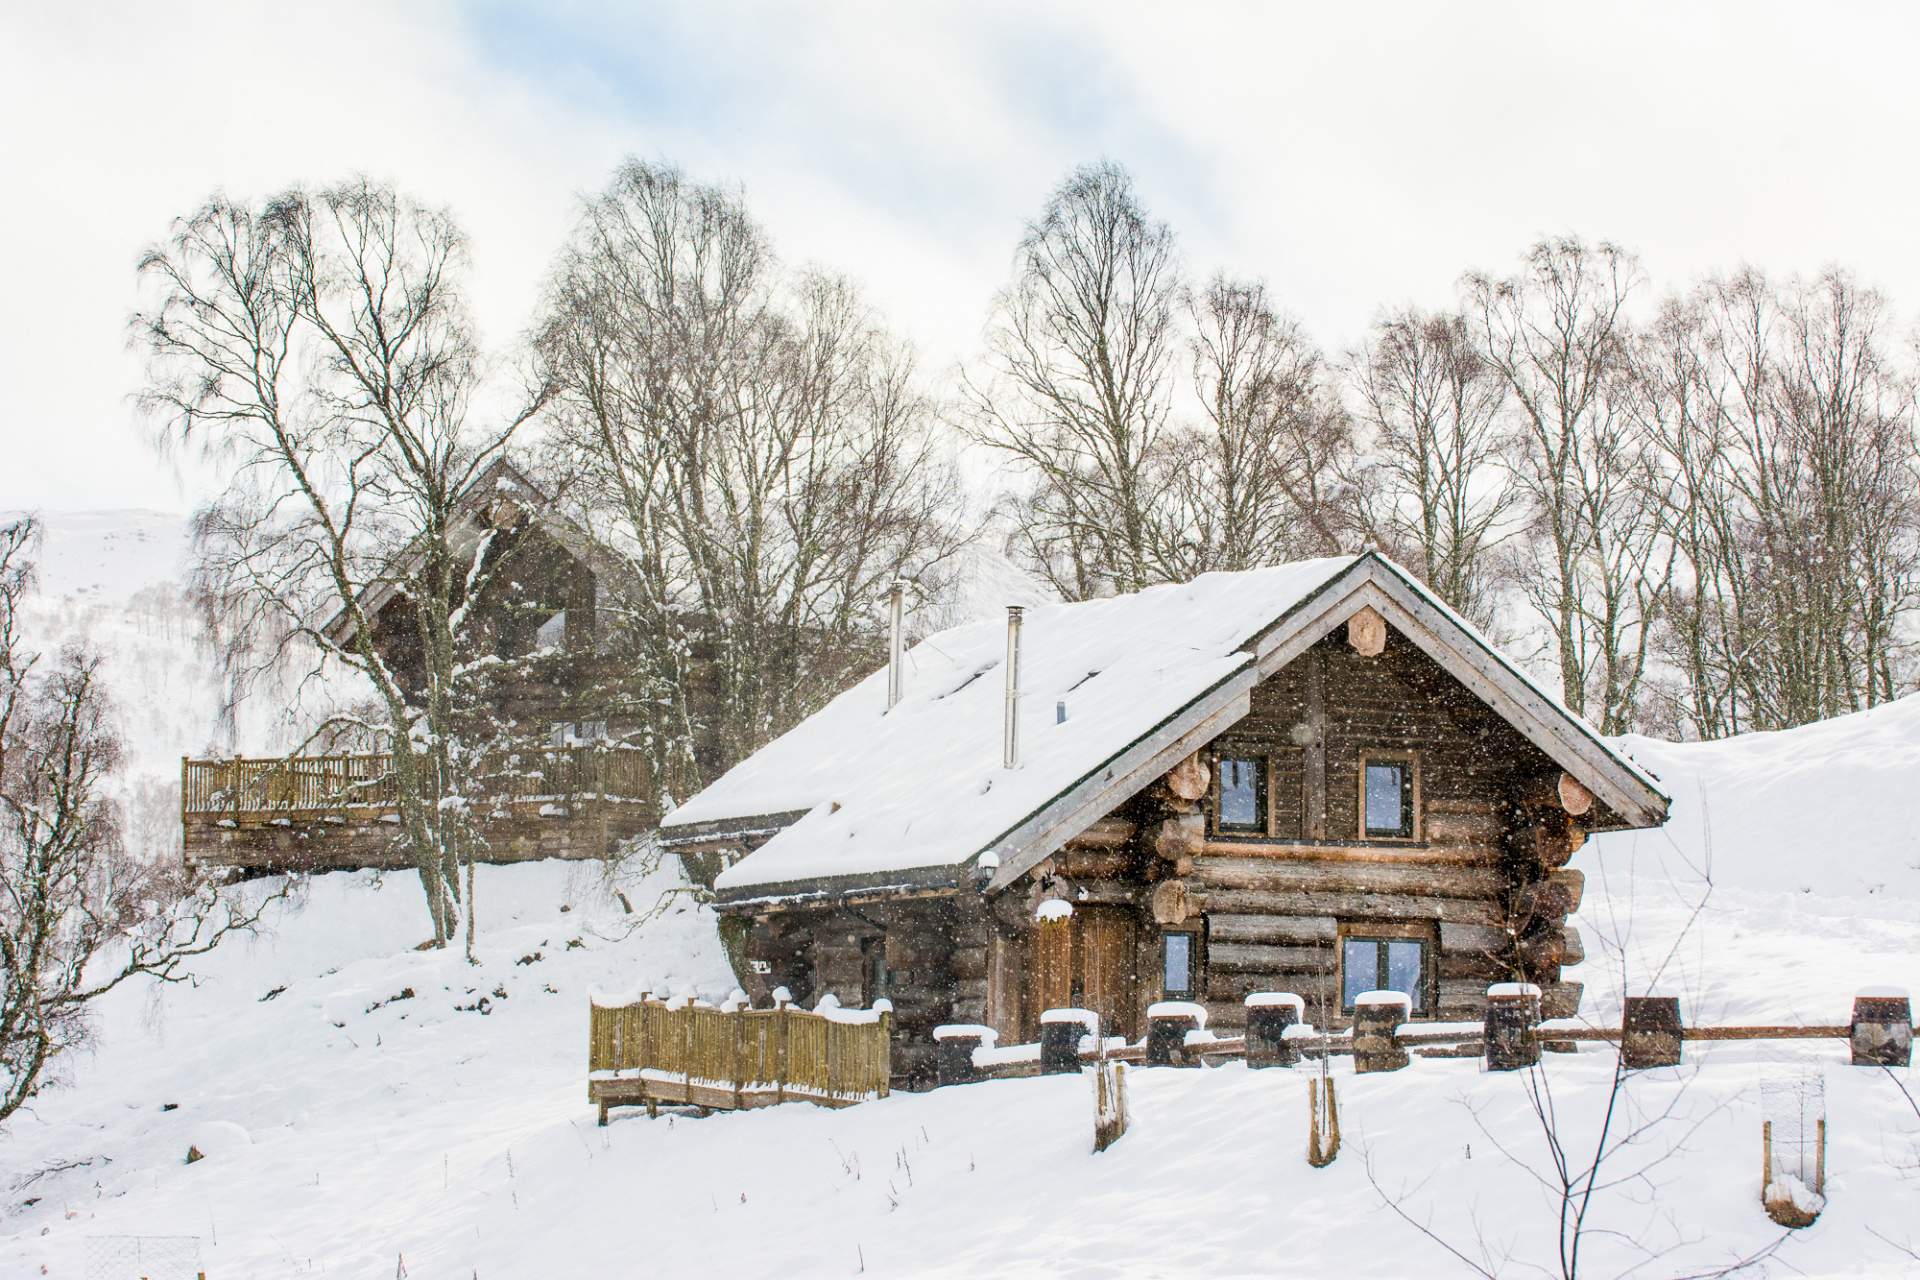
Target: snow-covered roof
857, 793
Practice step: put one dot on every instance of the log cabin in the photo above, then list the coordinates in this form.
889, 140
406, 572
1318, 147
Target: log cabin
1313, 778
559, 703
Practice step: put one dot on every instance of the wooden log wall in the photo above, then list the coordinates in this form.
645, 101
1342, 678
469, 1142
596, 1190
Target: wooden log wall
1480, 880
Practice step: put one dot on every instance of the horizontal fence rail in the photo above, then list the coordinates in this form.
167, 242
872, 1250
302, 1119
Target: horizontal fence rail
1651, 1033
654, 1051
272, 787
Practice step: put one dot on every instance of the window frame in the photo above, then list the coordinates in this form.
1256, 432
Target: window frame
1411, 805
1196, 975
1383, 932
1262, 788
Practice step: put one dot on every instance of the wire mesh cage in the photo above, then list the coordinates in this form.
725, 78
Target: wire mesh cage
1794, 1147
143, 1258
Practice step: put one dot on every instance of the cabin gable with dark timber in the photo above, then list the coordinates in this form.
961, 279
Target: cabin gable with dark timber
554, 695
1375, 798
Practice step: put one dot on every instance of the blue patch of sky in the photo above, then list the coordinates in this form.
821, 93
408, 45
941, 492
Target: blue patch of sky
698, 73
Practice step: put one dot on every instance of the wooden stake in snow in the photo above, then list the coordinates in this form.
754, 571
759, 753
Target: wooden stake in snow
1323, 1121
1109, 1104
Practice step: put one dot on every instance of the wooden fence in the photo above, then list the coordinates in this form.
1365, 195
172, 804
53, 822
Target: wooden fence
246, 788
1651, 1033
650, 1052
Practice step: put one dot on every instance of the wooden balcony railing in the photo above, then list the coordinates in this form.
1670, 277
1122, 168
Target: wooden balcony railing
266, 788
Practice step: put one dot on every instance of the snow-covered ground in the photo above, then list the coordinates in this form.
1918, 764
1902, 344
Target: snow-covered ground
346, 1130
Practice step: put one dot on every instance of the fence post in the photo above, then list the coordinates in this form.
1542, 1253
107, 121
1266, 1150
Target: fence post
1269, 1014
783, 1045
1167, 1025
1511, 1030
1651, 1032
1882, 1030
1376, 1016
1060, 1032
953, 1048
739, 1034
886, 1048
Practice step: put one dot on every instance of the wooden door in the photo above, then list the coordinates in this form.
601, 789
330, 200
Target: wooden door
1085, 961
1105, 958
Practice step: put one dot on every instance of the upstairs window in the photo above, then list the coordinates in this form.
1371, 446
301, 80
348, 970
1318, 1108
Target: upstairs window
1371, 962
1241, 793
1387, 798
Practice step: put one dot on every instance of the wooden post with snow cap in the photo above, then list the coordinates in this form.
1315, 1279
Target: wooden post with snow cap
1882, 1030
1512, 1027
1376, 1016
1650, 1032
1060, 1032
1269, 1014
953, 1050
1168, 1022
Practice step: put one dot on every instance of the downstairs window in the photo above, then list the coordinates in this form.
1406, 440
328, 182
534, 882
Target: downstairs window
1381, 961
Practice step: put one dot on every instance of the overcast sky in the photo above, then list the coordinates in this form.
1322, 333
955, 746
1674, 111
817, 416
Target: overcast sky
1352, 161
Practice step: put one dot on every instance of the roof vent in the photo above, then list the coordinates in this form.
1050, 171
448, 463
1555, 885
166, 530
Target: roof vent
1011, 752
896, 608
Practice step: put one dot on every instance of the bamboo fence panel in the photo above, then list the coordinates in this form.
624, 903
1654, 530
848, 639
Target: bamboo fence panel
788, 1052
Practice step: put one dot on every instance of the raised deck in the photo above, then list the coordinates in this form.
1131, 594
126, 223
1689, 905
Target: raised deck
340, 810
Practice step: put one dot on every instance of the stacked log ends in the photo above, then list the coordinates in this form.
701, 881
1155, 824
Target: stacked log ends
1558, 791
1367, 632
1171, 902
1543, 946
1650, 1032
1550, 840
1180, 836
1188, 779
1110, 832
1376, 1016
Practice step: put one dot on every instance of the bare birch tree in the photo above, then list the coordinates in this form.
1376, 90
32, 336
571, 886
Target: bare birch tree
78, 916
1790, 437
1438, 496
1078, 379
1594, 565
752, 444
317, 345
1263, 478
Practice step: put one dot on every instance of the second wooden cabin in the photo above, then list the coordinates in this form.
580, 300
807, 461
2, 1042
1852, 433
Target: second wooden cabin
1312, 778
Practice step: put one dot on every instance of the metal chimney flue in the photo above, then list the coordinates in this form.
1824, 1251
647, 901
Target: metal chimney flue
896, 611
1011, 754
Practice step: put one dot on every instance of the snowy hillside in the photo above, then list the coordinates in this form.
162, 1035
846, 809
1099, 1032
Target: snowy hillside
348, 1130
116, 581
1799, 850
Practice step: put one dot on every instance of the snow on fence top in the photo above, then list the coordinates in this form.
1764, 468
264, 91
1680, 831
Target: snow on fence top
1084, 1017
1276, 999
922, 785
1369, 998
1178, 1009
1512, 990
